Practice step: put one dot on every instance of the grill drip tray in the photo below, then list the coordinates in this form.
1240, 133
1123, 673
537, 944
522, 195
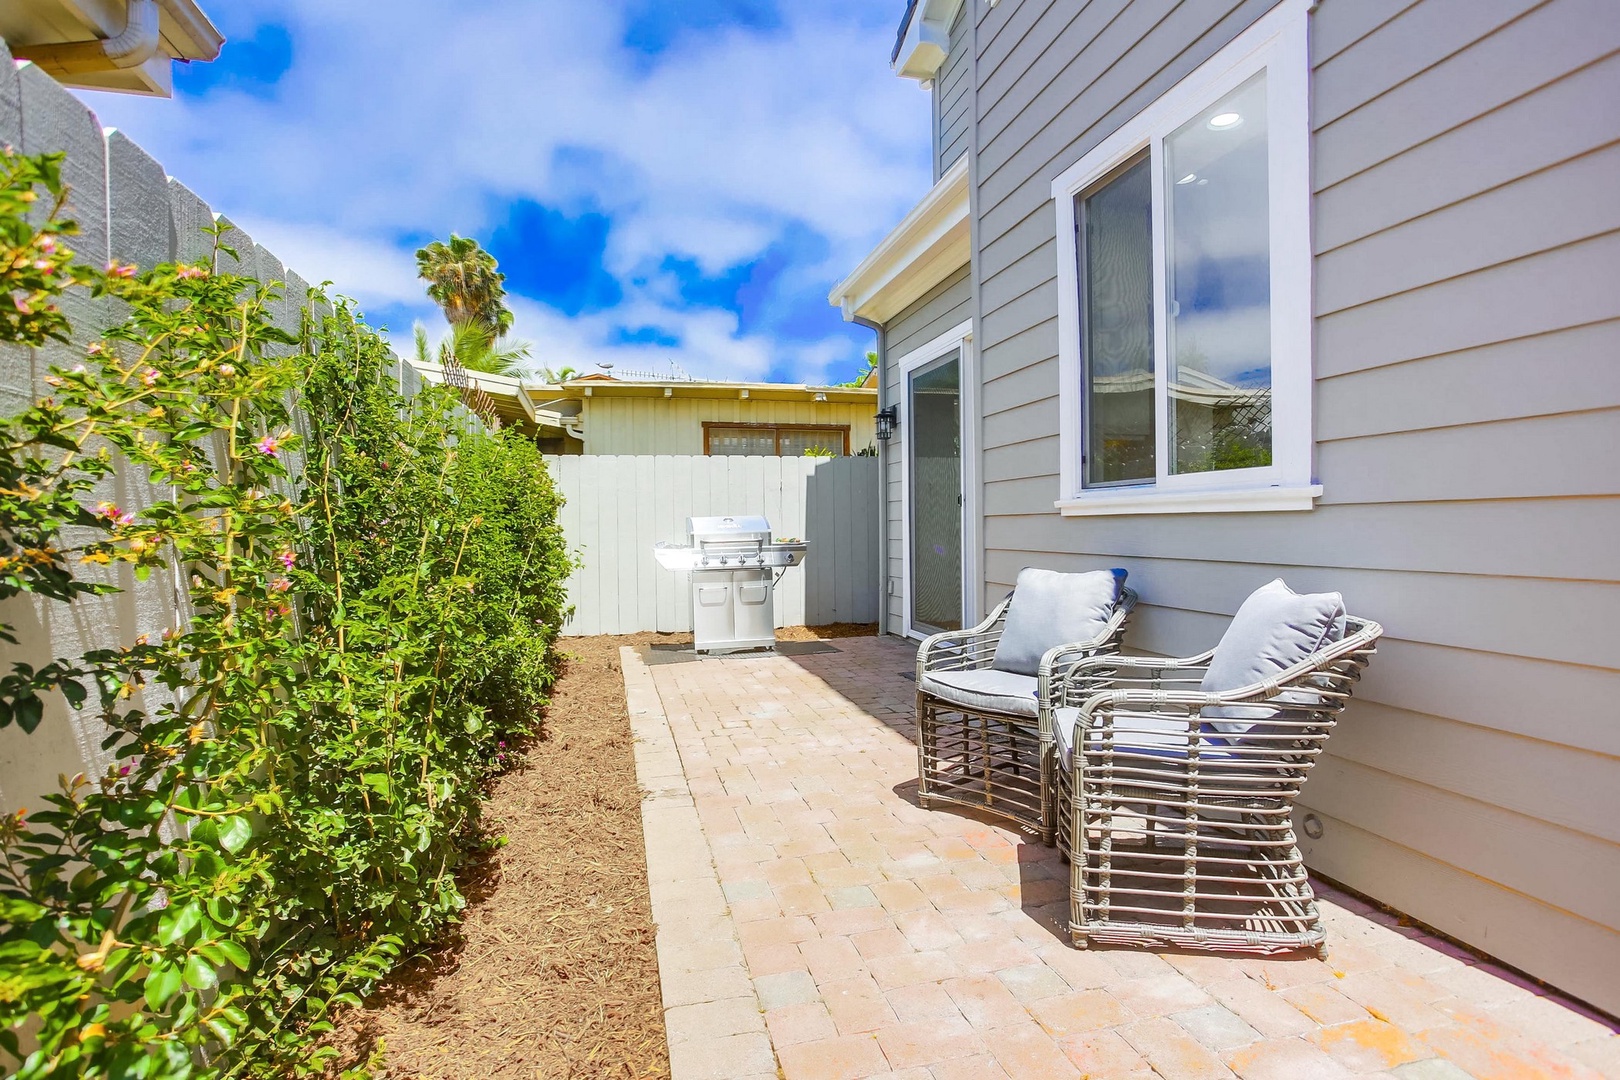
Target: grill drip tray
679, 653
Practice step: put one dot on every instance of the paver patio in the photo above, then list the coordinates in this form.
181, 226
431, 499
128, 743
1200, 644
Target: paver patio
813, 919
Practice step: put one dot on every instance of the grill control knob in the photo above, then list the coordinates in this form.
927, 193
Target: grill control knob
704, 561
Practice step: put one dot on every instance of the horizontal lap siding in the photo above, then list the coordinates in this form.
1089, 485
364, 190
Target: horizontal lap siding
953, 97
1467, 234
657, 425
947, 305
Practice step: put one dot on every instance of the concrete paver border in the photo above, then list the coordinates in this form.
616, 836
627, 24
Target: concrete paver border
712, 1015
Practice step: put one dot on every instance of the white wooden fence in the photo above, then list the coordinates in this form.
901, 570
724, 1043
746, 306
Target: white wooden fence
619, 507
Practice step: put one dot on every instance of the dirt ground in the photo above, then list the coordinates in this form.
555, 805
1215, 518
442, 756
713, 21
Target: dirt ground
553, 971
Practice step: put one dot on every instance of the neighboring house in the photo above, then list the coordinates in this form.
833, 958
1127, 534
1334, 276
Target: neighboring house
124, 45
1221, 291
601, 414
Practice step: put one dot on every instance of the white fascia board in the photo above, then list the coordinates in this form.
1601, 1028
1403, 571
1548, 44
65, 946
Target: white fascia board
928, 40
930, 244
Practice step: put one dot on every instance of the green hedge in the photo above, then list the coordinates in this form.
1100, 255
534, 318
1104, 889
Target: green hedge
375, 587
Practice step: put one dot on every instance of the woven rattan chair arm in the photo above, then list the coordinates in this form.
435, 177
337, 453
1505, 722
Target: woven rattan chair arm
954, 650
1144, 663
1357, 644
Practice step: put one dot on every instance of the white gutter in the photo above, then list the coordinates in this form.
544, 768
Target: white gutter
194, 25
134, 46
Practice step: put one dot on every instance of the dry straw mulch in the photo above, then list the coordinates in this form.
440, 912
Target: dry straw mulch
553, 970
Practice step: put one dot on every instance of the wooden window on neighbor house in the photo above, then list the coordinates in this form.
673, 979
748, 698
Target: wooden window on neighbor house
774, 440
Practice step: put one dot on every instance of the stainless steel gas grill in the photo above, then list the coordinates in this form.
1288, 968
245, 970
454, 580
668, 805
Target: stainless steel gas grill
735, 566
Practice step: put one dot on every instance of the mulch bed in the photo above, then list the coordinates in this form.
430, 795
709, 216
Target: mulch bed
553, 970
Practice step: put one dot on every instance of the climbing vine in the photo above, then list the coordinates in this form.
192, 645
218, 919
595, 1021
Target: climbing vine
371, 587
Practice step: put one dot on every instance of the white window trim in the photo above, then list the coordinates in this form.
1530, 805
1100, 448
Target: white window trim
1278, 44
958, 337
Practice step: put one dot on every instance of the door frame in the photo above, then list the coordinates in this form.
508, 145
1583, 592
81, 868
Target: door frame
957, 337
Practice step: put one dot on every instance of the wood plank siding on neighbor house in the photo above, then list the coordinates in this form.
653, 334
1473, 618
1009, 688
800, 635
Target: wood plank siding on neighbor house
1465, 220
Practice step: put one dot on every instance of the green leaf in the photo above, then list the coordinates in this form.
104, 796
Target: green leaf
178, 921
28, 710
73, 691
235, 952
162, 983
234, 833
200, 974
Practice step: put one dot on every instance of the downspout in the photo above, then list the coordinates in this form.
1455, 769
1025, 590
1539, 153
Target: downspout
883, 473
134, 46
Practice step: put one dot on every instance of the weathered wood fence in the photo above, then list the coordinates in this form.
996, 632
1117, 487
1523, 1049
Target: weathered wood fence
619, 507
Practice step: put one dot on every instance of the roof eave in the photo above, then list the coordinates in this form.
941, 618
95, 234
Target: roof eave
931, 242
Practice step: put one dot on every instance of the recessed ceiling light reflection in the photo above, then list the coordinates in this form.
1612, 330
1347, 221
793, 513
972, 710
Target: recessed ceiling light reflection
1222, 121
1189, 178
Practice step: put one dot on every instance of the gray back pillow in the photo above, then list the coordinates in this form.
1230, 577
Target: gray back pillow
1275, 629
1051, 609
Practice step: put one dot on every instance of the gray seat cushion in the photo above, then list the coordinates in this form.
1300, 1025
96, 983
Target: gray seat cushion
1051, 609
1148, 736
985, 689
1275, 629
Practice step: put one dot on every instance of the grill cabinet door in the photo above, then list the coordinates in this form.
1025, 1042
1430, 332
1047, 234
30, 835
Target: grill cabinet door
711, 609
753, 611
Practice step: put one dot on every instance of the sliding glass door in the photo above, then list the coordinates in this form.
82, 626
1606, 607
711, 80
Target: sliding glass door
933, 439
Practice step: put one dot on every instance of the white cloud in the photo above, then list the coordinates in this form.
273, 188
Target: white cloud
403, 119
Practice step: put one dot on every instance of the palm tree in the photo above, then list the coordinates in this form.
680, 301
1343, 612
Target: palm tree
463, 280
555, 376
474, 349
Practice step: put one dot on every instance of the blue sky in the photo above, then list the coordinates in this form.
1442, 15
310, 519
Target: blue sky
661, 181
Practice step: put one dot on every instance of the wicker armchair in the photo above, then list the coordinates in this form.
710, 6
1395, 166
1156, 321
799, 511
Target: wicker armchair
993, 751
1177, 827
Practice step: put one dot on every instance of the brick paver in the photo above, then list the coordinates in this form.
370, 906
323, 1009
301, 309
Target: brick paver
808, 908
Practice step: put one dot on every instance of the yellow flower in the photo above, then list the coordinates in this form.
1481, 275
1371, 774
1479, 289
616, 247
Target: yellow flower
92, 1031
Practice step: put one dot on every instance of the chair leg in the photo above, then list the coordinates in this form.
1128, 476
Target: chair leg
1048, 796
925, 746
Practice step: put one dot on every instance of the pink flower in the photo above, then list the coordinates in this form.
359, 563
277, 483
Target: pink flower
227, 369
192, 272
287, 558
124, 771
47, 244
45, 266
270, 446
118, 269
94, 349
280, 585
21, 305
149, 376
114, 514
79, 369
52, 380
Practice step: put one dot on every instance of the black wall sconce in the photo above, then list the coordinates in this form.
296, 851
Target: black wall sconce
887, 420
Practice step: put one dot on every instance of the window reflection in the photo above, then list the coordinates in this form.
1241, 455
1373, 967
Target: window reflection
1117, 319
1219, 286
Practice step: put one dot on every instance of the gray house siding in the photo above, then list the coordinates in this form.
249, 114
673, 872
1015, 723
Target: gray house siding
1467, 421
953, 98
948, 304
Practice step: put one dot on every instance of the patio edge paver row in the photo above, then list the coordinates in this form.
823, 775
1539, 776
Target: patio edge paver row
712, 1016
